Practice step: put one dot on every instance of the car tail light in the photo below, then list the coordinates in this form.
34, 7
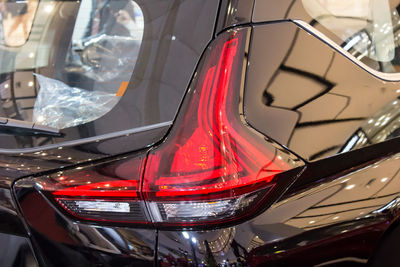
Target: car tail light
212, 168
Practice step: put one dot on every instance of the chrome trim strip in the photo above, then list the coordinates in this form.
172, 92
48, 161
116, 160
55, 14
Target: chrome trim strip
346, 259
87, 140
389, 77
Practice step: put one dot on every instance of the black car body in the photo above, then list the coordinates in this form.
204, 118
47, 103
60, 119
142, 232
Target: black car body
200, 133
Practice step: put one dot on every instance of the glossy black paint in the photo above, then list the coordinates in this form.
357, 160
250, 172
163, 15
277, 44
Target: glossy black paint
16, 251
323, 101
15, 245
233, 13
340, 218
319, 220
342, 209
18, 163
62, 242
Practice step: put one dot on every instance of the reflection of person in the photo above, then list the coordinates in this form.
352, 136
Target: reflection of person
112, 17
209, 257
237, 248
18, 12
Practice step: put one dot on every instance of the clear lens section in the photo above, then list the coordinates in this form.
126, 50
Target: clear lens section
202, 210
103, 206
122, 211
195, 209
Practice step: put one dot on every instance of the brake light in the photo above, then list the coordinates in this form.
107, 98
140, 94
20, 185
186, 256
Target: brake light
211, 168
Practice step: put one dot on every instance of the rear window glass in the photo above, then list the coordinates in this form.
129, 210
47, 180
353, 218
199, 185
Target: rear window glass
93, 69
368, 29
75, 82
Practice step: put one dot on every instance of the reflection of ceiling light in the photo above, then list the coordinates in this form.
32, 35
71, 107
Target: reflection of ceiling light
48, 8
349, 187
30, 84
352, 42
6, 85
185, 235
311, 222
350, 144
31, 55
384, 179
194, 240
40, 118
335, 218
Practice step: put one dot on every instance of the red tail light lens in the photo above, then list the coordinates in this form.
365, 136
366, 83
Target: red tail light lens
211, 168
211, 152
109, 192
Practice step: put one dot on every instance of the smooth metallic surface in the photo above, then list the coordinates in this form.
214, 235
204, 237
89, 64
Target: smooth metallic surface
10, 222
270, 10
234, 13
339, 219
311, 98
16, 251
61, 242
390, 77
102, 138
14, 165
15, 245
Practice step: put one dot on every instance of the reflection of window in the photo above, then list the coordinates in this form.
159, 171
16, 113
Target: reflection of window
17, 19
369, 29
384, 125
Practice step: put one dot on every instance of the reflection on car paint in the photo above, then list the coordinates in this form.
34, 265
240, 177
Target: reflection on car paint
321, 101
357, 207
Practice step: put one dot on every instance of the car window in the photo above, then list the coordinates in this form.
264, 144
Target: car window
368, 29
93, 69
86, 77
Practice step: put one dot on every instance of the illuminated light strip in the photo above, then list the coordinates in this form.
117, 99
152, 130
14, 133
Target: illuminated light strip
232, 162
105, 189
216, 188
